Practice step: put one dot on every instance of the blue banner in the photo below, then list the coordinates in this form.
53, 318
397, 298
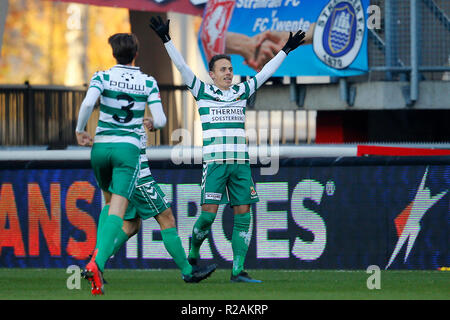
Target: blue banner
311, 215
254, 31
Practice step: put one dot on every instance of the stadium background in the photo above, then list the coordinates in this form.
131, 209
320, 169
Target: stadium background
327, 209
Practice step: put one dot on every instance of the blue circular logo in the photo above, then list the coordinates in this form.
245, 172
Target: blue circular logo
339, 33
340, 30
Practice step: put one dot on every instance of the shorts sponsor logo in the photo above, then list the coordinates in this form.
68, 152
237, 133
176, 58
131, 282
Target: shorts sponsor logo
213, 196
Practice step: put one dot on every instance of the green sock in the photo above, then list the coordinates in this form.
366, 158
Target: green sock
121, 238
174, 247
101, 222
200, 231
110, 230
240, 241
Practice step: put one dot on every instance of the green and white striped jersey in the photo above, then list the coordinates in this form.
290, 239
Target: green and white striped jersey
222, 112
125, 92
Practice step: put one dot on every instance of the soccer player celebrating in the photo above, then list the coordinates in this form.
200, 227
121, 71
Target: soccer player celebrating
124, 92
226, 168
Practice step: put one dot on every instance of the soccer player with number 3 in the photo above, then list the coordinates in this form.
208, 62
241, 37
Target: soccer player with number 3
119, 162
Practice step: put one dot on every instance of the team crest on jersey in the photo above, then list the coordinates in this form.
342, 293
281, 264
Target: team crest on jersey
339, 33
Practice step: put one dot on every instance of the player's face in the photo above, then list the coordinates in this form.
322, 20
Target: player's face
222, 74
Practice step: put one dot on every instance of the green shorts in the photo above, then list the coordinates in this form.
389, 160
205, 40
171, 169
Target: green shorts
116, 167
148, 200
228, 183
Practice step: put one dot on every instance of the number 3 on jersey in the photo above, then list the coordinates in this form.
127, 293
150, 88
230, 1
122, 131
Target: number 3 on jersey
127, 109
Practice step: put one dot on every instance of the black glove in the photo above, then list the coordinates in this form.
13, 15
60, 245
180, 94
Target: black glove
161, 28
294, 41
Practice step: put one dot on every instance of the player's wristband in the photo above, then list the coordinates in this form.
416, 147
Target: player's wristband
286, 49
165, 38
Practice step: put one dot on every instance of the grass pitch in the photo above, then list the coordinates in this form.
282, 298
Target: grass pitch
51, 284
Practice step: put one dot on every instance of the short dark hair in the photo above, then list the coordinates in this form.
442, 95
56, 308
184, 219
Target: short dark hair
215, 58
125, 47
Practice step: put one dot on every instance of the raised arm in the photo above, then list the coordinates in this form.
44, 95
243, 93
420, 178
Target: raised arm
186, 73
270, 67
188, 77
